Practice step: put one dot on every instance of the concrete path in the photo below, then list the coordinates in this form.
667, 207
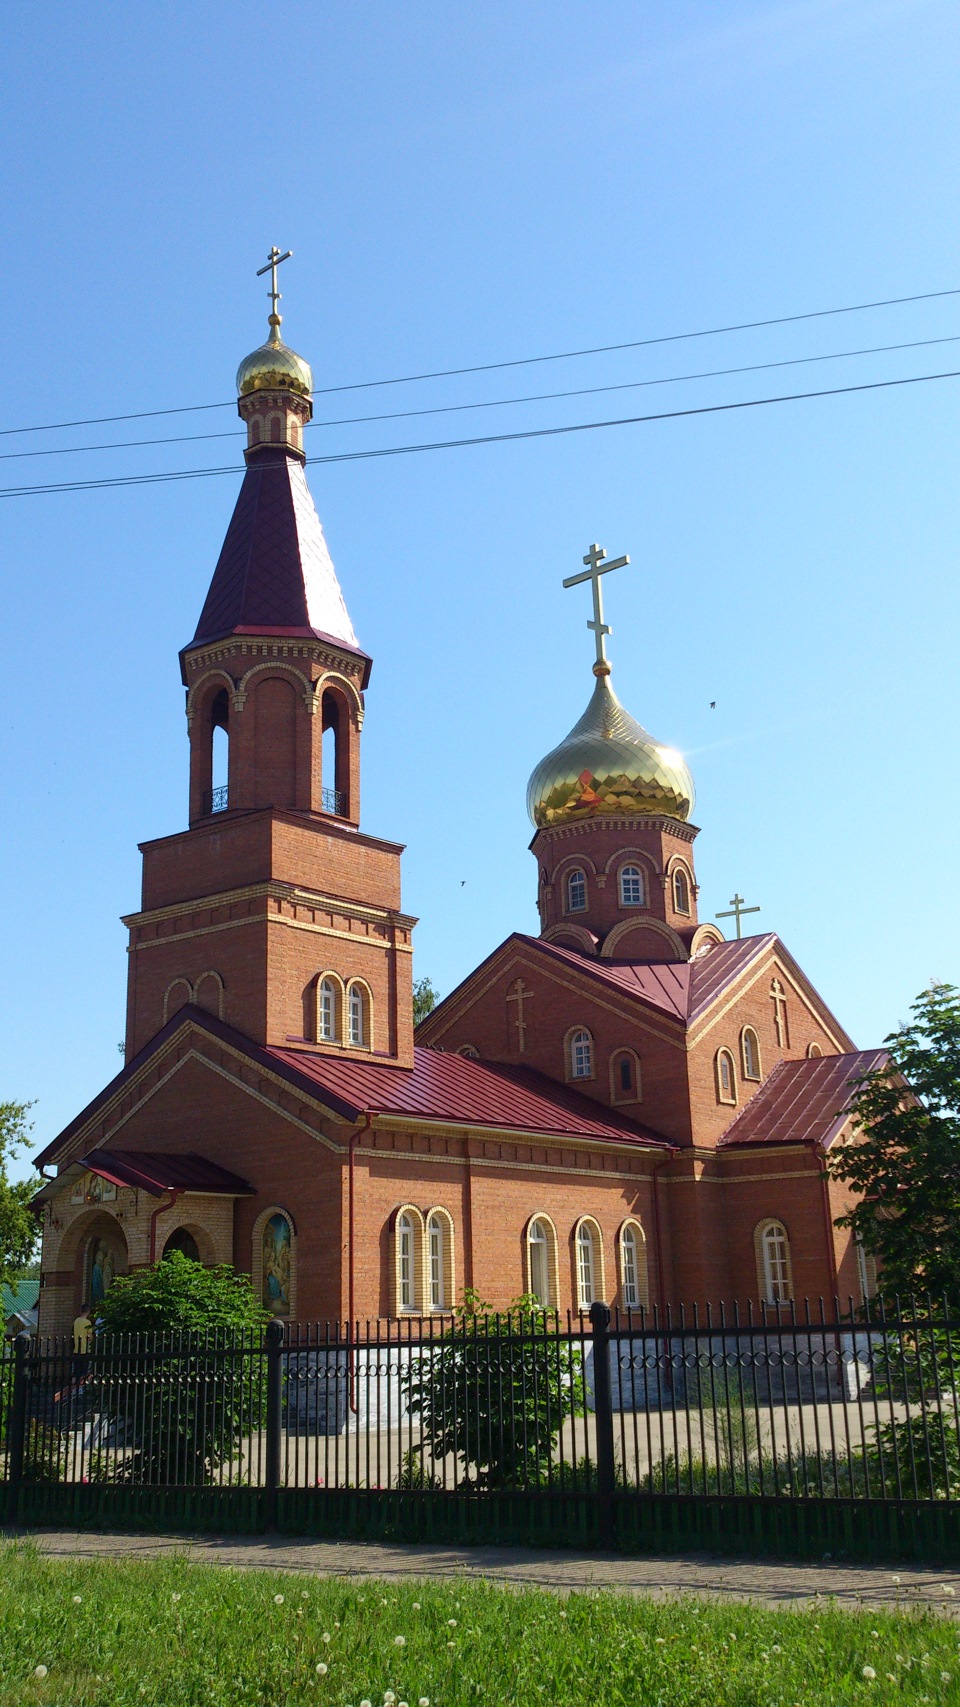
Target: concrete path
773, 1583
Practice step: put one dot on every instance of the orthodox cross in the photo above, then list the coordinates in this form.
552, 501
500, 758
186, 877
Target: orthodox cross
519, 993
736, 903
779, 1000
273, 261
595, 568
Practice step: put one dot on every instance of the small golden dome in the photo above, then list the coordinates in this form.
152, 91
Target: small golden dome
274, 367
608, 764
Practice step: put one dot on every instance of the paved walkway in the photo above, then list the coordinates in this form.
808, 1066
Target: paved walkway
773, 1583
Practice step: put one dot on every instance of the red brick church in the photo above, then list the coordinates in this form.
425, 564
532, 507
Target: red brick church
625, 1107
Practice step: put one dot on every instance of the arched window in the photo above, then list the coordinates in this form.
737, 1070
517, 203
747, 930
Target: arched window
469, 1052
625, 1083
631, 886
328, 1017
814, 1052
358, 1016
275, 427
406, 1262
334, 769
581, 1054
681, 892
576, 891
726, 1077
540, 1261
217, 799
436, 1262
586, 1243
866, 1270
750, 1053
773, 1251
276, 1264
633, 1266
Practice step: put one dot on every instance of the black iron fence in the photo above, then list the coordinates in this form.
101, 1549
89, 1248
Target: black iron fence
795, 1429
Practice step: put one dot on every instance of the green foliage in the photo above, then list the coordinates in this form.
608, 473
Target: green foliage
18, 1227
425, 999
494, 1391
123, 1632
903, 1160
193, 1408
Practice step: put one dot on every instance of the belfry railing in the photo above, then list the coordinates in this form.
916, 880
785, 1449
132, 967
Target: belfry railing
216, 800
791, 1430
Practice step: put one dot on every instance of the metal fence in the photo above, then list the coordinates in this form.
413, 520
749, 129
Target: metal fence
794, 1429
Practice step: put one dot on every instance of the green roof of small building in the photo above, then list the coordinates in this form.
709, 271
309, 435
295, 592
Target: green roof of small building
23, 1295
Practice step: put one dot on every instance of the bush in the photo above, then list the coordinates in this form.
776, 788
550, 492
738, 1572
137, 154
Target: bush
494, 1391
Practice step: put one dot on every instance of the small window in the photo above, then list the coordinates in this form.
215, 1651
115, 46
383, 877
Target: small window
750, 1050
406, 1291
631, 886
726, 1077
814, 1052
358, 1017
775, 1263
681, 892
625, 1076
630, 1268
435, 1253
581, 1055
327, 1011
576, 891
586, 1266
538, 1247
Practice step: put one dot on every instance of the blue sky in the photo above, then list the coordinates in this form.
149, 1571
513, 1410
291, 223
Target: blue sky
463, 186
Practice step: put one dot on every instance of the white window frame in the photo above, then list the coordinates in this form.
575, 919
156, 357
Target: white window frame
327, 1005
727, 1094
577, 878
775, 1267
634, 875
586, 1266
681, 887
630, 1267
581, 1053
355, 1017
750, 1042
406, 1262
436, 1266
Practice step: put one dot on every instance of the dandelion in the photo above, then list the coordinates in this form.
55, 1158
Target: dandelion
449, 1645
39, 1671
366, 1703
321, 1669
776, 1649
660, 1641
895, 1580
416, 1606
326, 1634
424, 1701
388, 1698
77, 1599
176, 1597
304, 1595
399, 1642
278, 1600
452, 1623
889, 1677
947, 1589
946, 1676
869, 1673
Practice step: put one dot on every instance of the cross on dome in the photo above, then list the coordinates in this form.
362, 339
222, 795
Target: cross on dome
595, 568
274, 260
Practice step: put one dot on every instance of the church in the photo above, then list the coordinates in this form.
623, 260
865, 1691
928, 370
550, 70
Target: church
625, 1107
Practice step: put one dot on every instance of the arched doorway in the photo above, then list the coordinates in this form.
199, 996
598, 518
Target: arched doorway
181, 1239
104, 1257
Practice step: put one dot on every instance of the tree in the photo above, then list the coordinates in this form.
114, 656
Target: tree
494, 1391
200, 1388
18, 1227
425, 999
903, 1160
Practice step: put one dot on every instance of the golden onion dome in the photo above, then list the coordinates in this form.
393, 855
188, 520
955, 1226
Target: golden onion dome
608, 764
274, 367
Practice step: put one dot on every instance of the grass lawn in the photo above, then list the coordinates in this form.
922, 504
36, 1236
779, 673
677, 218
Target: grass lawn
89, 1633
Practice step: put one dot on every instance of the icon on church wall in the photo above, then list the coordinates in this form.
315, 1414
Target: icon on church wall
90, 1188
103, 1269
276, 1265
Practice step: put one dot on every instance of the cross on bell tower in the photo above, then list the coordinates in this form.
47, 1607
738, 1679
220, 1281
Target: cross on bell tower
274, 260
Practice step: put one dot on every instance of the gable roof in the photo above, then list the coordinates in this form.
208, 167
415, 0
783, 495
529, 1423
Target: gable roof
274, 574
440, 1087
457, 1090
803, 1101
682, 989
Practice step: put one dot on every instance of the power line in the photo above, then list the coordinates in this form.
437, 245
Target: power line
503, 402
485, 439
521, 361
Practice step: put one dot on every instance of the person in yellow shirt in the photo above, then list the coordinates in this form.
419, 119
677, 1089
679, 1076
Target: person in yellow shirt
82, 1336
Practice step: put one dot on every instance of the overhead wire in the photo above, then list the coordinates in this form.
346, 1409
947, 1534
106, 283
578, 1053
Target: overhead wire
519, 361
504, 402
485, 439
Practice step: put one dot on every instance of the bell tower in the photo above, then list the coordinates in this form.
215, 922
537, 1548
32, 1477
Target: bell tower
274, 897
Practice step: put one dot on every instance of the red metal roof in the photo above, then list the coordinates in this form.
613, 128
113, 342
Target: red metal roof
157, 1171
684, 989
455, 1089
274, 574
803, 1101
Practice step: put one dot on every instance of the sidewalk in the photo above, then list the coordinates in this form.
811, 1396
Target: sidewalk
771, 1583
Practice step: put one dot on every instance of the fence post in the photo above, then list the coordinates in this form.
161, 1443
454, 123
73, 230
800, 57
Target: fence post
603, 1413
17, 1427
274, 1393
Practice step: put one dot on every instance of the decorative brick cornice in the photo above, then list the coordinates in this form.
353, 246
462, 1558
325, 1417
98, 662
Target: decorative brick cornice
575, 827
390, 928
242, 646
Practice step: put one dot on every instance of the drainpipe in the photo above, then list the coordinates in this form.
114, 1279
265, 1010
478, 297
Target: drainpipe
161, 1209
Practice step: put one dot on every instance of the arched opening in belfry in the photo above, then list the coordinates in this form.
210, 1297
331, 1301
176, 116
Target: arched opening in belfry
333, 760
219, 751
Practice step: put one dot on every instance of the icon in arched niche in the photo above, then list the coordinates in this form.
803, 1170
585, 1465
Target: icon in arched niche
105, 1262
276, 1265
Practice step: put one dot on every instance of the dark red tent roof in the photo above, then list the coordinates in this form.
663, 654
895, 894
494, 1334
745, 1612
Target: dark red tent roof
803, 1101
